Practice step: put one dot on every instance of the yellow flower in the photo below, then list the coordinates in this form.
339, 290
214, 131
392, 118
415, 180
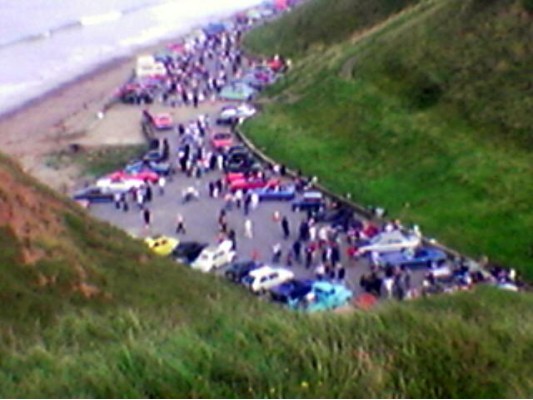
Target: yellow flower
304, 384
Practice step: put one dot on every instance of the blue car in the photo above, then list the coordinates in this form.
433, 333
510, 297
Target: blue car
161, 168
322, 296
421, 257
291, 291
282, 192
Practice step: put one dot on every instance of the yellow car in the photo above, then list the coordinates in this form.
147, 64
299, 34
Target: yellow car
162, 245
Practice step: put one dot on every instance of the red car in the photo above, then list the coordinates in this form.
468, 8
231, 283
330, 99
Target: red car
162, 121
221, 140
253, 183
144, 176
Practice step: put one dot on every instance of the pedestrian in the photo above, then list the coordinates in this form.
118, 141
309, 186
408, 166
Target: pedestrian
238, 198
248, 228
247, 200
254, 201
276, 253
308, 256
341, 273
180, 224
232, 236
304, 231
117, 198
146, 216
140, 198
148, 193
161, 182
297, 250
285, 227
124, 201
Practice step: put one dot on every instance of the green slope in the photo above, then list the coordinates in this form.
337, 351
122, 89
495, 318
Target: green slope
87, 312
427, 114
152, 328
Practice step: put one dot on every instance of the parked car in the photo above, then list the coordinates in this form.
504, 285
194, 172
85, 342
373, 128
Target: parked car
230, 115
94, 195
119, 185
187, 252
221, 140
389, 241
341, 217
258, 79
310, 201
237, 271
291, 290
262, 279
155, 155
239, 91
162, 245
214, 257
162, 121
240, 161
420, 257
160, 168
284, 192
143, 175
253, 183
322, 296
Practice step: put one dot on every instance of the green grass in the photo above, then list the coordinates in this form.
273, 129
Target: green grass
158, 329
437, 130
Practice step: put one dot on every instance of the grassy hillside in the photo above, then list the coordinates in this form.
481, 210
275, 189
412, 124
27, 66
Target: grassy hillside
427, 114
87, 312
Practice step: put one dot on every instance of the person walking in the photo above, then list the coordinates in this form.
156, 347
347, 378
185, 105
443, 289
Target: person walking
276, 253
180, 224
161, 182
297, 250
146, 216
285, 227
248, 228
117, 198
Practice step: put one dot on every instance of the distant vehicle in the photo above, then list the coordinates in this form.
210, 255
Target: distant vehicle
161, 245
94, 195
310, 201
342, 217
258, 79
238, 91
322, 296
262, 279
162, 121
160, 168
187, 252
291, 290
389, 241
253, 183
240, 161
214, 257
284, 192
230, 115
143, 175
420, 257
154, 155
237, 271
119, 185
148, 66
221, 140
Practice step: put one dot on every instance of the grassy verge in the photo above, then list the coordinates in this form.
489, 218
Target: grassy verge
406, 132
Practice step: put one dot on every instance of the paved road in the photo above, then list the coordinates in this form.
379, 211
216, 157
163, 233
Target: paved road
201, 218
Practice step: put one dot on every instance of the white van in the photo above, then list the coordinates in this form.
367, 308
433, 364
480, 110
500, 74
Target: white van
147, 66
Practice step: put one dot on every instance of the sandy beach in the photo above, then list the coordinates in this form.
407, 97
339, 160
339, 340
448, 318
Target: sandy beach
68, 114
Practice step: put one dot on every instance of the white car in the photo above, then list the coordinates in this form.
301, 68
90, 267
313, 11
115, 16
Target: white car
213, 257
231, 113
265, 278
390, 241
119, 185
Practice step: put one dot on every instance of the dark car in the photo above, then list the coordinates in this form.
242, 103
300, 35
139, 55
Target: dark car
341, 217
239, 160
161, 168
312, 201
154, 156
237, 271
187, 252
420, 257
291, 290
94, 195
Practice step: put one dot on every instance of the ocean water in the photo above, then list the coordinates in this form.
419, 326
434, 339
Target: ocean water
45, 43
